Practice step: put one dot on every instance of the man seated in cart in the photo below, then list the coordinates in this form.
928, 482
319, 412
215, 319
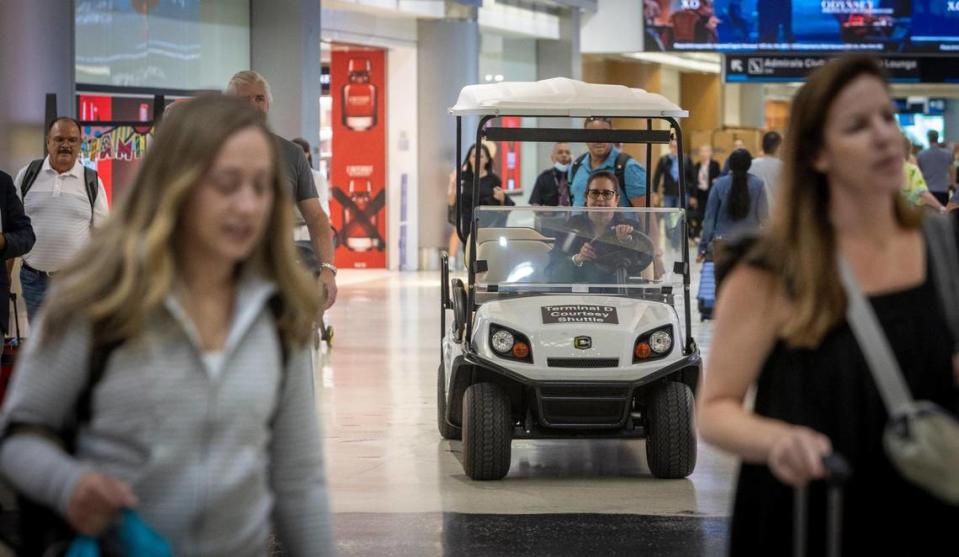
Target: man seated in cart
599, 247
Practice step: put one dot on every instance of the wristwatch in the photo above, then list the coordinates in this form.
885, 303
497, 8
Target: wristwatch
329, 267
578, 263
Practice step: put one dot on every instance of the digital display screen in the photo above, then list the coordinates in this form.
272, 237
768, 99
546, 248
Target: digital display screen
889, 26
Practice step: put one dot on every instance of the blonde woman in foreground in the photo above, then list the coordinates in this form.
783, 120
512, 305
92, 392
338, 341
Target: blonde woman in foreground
203, 418
781, 326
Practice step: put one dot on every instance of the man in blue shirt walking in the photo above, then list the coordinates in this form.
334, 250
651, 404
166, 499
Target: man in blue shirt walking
603, 156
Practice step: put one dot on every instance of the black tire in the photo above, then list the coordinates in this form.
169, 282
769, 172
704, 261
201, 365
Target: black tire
447, 430
671, 437
487, 432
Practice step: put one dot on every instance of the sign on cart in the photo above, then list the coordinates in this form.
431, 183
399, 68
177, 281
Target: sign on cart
580, 314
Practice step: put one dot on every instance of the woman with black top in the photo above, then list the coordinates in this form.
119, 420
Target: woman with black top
782, 327
491, 190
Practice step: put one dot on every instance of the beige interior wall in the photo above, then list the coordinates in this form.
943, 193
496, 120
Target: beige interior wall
631, 74
701, 96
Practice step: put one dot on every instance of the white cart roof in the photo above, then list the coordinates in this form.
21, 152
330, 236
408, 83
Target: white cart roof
562, 97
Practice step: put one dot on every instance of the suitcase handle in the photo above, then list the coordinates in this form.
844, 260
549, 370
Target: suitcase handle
838, 472
16, 316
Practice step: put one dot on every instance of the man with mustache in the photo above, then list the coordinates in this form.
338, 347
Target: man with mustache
64, 201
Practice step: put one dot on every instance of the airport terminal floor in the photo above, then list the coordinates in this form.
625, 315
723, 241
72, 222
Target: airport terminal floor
398, 489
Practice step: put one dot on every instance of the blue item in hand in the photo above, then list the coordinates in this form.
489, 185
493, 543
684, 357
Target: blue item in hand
134, 536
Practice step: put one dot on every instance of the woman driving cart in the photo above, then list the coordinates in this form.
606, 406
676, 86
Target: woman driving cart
599, 244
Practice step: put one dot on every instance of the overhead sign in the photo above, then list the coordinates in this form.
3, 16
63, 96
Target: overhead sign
580, 314
901, 69
802, 25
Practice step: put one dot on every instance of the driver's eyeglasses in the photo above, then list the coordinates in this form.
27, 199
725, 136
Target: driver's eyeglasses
600, 194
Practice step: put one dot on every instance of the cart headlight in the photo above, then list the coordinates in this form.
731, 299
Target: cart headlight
509, 344
653, 345
502, 341
660, 342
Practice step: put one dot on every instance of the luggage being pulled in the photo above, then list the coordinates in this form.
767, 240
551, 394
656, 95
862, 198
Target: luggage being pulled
707, 291
10, 347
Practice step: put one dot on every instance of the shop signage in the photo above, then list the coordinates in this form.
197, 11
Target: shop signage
579, 314
357, 84
901, 69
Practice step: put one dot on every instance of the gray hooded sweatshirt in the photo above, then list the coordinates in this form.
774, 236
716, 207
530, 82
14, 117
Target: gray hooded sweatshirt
218, 458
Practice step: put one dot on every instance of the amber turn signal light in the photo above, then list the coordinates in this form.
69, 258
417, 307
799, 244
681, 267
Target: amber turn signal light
520, 350
642, 350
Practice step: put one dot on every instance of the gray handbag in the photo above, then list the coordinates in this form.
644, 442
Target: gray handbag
921, 439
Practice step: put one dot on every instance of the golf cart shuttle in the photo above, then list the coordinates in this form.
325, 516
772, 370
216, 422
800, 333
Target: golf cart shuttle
536, 344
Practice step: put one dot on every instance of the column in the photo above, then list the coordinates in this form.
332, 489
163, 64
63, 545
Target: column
447, 60
559, 58
36, 58
285, 49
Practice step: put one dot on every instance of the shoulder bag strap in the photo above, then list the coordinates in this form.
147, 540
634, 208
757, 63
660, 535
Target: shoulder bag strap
940, 234
872, 341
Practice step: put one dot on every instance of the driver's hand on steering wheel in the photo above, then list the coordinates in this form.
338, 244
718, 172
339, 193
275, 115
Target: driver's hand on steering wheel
622, 231
586, 253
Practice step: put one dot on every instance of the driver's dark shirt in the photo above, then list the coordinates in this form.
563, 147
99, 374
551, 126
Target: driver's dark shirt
577, 231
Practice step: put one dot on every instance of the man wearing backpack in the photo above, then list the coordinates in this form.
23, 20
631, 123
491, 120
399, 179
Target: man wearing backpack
603, 156
64, 201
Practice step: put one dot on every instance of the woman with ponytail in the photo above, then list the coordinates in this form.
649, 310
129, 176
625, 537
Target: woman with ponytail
737, 203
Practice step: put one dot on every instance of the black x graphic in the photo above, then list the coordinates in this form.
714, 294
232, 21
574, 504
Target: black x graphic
363, 218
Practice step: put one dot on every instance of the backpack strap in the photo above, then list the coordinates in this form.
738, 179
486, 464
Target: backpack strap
940, 233
29, 177
92, 183
276, 308
622, 159
573, 170
99, 356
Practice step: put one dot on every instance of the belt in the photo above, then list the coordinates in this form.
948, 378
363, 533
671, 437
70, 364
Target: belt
38, 271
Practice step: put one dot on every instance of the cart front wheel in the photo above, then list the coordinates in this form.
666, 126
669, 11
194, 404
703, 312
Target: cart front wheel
671, 442
487, 432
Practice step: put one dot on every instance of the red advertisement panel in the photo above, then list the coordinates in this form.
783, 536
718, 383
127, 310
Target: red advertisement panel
510, 159
358, 167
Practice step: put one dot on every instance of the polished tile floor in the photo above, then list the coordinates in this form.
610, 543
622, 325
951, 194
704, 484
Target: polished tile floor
397, 488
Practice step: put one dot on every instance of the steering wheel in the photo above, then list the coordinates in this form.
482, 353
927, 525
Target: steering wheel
633, 253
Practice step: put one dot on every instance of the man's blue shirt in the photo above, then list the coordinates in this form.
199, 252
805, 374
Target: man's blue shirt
634, 173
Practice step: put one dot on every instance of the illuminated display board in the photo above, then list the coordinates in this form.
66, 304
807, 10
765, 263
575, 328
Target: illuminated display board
889, 26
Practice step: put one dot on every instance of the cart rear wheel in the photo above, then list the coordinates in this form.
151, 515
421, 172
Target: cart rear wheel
447, 430
671, 441
487, 432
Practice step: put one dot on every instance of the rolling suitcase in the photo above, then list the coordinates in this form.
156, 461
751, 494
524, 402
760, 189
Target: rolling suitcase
10, 347
839, 472
707, 291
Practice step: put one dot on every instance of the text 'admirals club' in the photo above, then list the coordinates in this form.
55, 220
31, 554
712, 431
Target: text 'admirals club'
580, 314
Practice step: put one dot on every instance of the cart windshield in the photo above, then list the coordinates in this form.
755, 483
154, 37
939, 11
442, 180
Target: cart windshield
620, 251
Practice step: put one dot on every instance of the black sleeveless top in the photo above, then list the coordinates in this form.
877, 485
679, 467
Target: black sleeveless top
831, 390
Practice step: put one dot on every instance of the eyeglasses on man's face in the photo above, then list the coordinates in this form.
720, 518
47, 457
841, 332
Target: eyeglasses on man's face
600, 194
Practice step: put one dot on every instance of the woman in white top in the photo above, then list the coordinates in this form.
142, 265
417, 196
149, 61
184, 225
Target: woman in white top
191, 308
